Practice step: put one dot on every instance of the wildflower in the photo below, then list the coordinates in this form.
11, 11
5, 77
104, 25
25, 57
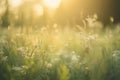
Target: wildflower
91, 20
116, 53
4, 58
25, 67
86, 68
15, 68
80, 63
49, 65
56, 59
22, 49
74, 58
73, 52
111, 19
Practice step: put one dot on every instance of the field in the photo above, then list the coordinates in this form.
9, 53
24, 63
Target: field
60, 53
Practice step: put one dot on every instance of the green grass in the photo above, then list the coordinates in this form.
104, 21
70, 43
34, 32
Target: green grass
60, 53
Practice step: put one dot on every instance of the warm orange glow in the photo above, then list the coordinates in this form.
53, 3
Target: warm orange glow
52, 3
15, 3
38, 9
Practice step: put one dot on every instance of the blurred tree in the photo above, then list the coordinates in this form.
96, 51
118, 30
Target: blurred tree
5, 16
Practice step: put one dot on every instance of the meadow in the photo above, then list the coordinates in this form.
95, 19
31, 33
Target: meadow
59, 52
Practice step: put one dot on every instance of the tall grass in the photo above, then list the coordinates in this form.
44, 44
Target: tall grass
60, 53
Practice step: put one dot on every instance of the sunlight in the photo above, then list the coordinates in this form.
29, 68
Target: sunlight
15, 3
52, 3
38, 9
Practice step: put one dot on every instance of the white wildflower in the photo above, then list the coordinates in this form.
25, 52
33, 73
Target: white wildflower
15, 68
49, 65
116, 53
25, 67
4, 58
86, 68
74, 58
56, 59
73, 52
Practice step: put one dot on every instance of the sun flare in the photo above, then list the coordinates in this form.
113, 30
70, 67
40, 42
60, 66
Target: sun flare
38, 9
52, 3
15, 3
